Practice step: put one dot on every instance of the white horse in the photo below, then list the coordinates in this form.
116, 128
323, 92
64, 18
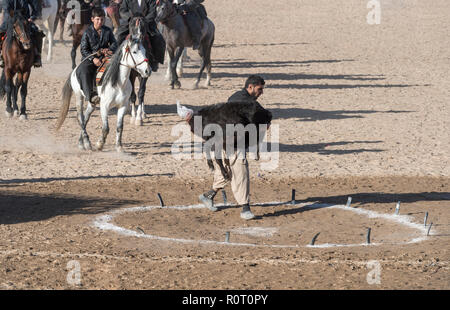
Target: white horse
47, 23
115, 91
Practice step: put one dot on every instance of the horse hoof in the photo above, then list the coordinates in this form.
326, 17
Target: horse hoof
16, 113
81, 146
177, 84
23, 117
99, 146
195, 86
87, 146
8, 114
139, 122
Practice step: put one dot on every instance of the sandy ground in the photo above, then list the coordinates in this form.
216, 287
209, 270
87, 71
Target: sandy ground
361, 110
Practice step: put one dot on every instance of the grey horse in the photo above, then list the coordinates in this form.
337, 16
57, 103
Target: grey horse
177, 37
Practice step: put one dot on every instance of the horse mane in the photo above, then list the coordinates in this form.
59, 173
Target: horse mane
112, 70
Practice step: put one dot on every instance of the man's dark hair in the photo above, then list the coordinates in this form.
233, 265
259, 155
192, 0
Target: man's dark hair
254, 80
98, 12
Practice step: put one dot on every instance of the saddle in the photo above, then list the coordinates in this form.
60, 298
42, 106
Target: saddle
101, 71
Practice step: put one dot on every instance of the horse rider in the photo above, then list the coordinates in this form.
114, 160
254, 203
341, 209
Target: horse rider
146, 9
97, 42
193, 12
11, 6
238, 165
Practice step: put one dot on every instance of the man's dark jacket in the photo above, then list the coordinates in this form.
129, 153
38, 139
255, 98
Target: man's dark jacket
22, 6
147, 9
92, 42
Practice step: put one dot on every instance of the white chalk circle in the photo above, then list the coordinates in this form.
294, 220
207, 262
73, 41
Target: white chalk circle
104, 222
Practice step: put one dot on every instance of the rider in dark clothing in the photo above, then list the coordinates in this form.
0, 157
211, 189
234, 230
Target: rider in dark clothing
96, 38
147, 9
11, 6
193, 12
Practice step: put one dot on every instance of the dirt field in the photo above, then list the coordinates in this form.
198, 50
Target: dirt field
362, 111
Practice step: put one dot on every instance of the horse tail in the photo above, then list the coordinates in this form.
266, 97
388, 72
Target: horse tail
2, 85
66, 96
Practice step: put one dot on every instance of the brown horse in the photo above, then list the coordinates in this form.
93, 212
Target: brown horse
18, 54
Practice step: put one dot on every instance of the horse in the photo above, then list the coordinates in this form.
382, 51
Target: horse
47, 22
177, 37
138, 31
114, 91
18, 54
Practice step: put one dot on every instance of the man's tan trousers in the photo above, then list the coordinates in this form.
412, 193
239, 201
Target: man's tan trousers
240, 179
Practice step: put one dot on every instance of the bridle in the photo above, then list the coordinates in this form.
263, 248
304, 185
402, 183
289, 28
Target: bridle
20, 37
127, 52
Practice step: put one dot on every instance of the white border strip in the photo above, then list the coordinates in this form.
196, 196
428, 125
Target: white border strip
103, 222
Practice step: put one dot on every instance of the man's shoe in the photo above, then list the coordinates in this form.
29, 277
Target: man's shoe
154, 66
247, 215
207, 200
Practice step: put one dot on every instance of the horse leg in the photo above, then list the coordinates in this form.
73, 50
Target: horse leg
83, 141
133, 98
202, 53
51, 28
173, 66
119, 129
62, 21
180, 63
23, 82
14, 95
9, 88
208, 64
140, 115
168, 76
104, 109
73, 52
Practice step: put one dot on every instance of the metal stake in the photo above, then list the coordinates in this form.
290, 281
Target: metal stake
397, 208
368, 235
160, 200
227, 236
429, 228
224, 195
314, 238
140, 230
425, 219
349, 201
293, 197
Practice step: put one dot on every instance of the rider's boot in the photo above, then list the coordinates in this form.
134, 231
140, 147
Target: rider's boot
39, 9
38, 50
195, 28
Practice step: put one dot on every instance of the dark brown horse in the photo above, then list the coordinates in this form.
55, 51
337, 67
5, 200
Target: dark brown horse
18, 54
